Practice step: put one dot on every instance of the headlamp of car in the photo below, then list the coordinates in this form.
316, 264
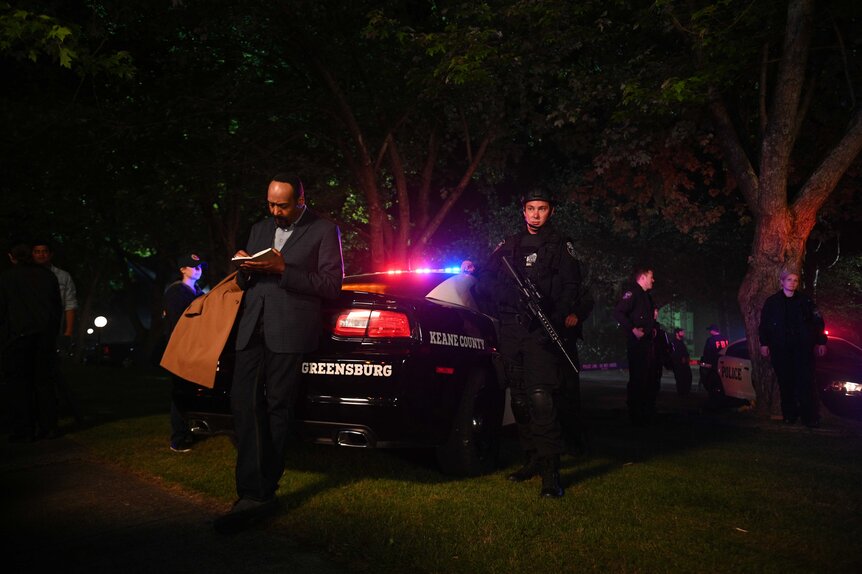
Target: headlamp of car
846, 387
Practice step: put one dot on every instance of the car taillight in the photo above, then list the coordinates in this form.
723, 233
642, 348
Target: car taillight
352, 323
388, 324
376, 324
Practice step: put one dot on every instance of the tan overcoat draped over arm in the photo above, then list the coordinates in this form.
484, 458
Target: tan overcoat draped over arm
198, 339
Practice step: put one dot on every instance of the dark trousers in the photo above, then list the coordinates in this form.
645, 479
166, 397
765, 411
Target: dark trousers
262, 397
28, 363
179, 428
533, 375
65, 394
794, 368
642, 388
682, 376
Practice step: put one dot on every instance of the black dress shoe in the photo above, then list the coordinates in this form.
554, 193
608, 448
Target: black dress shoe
245, 513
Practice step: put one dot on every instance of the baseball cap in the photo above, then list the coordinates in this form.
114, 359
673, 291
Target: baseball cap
190, 260
537, 195
713, 327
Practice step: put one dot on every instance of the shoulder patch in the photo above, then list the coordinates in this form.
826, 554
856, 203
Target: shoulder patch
627, 295
570, 248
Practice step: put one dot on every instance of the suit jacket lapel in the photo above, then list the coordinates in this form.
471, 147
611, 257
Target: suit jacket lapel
262, 237
301, 227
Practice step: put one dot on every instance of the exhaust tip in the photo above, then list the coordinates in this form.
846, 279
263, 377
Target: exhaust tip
197, 426
351, 438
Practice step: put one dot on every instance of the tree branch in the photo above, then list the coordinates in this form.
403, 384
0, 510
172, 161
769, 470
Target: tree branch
468, 144
387, 140
423, 202
403, 200
764, 67
456, 193
847, 76
804, 106
734, 154
824, 179
778, 140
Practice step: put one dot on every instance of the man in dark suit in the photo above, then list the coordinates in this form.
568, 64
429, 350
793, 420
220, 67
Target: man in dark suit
278, 322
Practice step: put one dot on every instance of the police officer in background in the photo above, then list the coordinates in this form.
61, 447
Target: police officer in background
680, 359
709, 378
635, 312
791, 334
531, 360
178, 296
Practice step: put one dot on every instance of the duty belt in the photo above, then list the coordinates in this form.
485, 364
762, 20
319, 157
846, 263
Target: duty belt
522, 319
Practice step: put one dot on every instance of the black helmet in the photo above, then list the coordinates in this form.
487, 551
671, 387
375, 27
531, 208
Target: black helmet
537, 195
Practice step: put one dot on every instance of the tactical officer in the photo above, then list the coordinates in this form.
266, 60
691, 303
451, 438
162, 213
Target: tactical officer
531, 360
635, 312
709, 378
791, 333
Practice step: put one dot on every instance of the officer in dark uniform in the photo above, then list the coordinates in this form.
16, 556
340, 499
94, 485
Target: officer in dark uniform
178, 296
680, 360
709, 378
662, 346
635, 312
531, 360
791, 334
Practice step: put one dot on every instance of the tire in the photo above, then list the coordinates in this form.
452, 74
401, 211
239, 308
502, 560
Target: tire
474, 440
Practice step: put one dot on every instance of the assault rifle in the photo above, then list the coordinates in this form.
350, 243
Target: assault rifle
531, 297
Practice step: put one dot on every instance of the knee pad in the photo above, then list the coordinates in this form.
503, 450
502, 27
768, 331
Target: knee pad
541, 406
521, 409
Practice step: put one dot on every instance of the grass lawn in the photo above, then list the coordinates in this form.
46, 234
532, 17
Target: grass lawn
694, 493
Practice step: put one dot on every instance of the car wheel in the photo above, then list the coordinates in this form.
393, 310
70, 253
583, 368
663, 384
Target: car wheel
474, 440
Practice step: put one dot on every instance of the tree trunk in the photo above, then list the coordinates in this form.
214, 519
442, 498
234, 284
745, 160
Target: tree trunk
781, 228
777, 243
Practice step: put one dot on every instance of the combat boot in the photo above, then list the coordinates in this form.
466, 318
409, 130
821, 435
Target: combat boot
529, 470
550, 469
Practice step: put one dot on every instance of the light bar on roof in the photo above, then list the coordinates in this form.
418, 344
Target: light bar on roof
424, 270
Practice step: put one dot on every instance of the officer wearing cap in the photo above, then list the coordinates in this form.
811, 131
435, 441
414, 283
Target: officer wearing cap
636, 313
709, 378
178, 295
533, 366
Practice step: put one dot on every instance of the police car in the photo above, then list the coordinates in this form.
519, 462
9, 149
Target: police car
838, 375
407, 359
